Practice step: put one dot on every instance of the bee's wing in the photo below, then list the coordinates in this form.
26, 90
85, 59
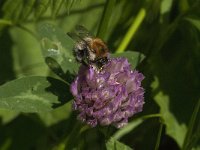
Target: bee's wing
80, 34
83, 32
74, 36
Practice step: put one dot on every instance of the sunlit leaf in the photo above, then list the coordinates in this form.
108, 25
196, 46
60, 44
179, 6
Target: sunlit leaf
26, 54
57, 115
173, 128
194, 22
113, 144
166, 6
7, 115
33, 94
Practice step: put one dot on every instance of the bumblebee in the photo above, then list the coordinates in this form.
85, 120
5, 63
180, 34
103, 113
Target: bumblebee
89, 50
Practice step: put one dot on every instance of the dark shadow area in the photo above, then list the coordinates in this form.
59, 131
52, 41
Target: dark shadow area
57, 69
63, 129
6, 60
147, 131
23, 133
167, 143
60, 89
28, 132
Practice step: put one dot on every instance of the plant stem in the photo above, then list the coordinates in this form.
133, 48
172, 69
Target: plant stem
6, 22
132, 30
191, 126
159, 136
152, 116
71, 139
103, 26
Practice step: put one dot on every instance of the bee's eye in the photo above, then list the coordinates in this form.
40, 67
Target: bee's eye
80, 53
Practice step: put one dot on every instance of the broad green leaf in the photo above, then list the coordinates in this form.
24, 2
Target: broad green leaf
60, 114
33, 94
134, 58
194, 22
57, 46
26, 54
113, 144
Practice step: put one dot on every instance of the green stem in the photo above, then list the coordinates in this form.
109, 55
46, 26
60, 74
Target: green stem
152, 116
71, 140
6, 22
105, 18
191, 126
132, 30
159, 136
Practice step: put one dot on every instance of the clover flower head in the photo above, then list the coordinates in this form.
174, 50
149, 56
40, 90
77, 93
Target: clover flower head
108, 96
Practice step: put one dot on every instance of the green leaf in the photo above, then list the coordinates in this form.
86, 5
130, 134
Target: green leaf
41, 7
56, 5
194, 22
69, 4
113, 144
11, 9
105, 18
173, 128
57, 115
7, 115
165, 6
27, 8
26, 54
17, 12
128, 128
34, 94
133, 57
58, 46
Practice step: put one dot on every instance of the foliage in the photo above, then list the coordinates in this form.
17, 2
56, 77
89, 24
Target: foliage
161, 38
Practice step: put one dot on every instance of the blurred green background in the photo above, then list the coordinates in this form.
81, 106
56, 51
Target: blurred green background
168, 36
